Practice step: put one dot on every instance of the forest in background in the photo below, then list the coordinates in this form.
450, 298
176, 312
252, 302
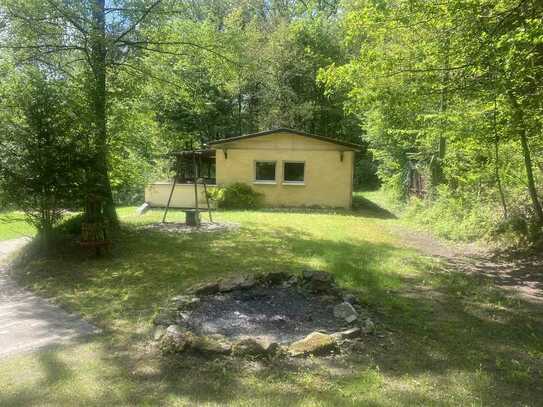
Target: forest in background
445, 97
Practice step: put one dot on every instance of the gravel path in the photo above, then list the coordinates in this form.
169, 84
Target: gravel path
28, 322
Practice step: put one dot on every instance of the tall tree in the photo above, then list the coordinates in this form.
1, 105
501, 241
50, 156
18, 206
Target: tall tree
84, 41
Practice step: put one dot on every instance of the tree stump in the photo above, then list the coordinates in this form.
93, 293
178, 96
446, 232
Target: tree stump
192, 217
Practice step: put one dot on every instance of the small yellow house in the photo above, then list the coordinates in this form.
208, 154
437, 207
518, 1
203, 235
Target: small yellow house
290, 168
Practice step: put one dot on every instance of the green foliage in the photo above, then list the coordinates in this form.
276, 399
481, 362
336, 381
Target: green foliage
365, 174
237, 196
41, 159
444, 92
70, 225
264, 75
456, 217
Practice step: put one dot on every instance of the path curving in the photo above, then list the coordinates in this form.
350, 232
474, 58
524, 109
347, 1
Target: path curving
28, 322
521, 276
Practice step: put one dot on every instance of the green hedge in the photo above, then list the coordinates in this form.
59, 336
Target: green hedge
237, 196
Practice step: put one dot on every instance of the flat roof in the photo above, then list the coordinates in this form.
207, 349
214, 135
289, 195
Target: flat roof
351, 146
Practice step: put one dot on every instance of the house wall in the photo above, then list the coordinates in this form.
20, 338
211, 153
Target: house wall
328, 179
183, 196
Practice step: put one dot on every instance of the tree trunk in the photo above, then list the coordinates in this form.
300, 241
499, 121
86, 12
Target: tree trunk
437, 170
498, 178
100, 184
520, 127
497, 158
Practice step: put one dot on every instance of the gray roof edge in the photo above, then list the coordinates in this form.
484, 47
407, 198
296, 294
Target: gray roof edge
352, 146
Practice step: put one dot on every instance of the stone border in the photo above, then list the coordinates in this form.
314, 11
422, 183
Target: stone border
172, 336
182, 228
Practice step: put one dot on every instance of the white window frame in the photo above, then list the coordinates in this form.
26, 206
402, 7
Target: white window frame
285, 182
264, 182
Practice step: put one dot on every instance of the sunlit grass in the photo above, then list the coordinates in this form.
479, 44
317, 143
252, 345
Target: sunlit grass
448, 339
13, 225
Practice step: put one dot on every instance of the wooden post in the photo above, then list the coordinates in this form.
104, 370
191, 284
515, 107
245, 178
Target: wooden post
207, 200
171, 192
196, 209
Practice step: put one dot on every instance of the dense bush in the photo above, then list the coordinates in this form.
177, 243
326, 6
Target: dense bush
453, 217
365, 174
40, 151
237, 196
461, 216
70, 225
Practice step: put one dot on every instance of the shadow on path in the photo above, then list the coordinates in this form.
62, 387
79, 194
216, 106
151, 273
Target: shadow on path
27, 321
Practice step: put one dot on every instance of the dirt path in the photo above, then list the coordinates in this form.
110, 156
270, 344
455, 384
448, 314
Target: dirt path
29, 322
522, 276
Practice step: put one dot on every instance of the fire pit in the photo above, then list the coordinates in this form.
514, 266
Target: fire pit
270, 314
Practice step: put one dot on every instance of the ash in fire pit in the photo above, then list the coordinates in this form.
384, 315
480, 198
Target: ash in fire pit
281, 314
305, 314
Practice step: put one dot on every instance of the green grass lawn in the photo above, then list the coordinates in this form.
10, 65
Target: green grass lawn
447, 338
14, 225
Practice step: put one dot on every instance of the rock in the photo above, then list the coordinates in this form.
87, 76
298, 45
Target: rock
211, 345
237, 283
158, 333
176, 340
175, 330
292, 281
347, 334
317, 275
354, 345
184, 315
351, 299
315, 343
323, 277
369, 326
278, 320
183, 319
318, 281
329, 298
307, 274
346, 312
256, 347
185, 301
165, 317
205, 289
275, 277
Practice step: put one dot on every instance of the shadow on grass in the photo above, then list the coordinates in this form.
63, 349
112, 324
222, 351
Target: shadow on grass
370, 209
361, 207
453, 330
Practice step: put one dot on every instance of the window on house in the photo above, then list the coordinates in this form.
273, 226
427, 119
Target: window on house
265, 171
294, 172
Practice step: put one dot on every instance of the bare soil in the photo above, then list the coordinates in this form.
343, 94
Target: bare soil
521, 275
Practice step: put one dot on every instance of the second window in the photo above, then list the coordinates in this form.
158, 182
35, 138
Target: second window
293, 171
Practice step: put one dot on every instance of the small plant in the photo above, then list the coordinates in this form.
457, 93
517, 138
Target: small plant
237, 196
70, 225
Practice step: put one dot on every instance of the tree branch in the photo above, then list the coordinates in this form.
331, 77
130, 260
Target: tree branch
139, 20
190, 44
78, 26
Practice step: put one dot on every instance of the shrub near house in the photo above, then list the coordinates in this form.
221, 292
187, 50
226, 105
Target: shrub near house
237, 196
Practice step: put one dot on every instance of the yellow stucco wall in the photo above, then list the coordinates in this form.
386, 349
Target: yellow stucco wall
183, 196
328, 179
